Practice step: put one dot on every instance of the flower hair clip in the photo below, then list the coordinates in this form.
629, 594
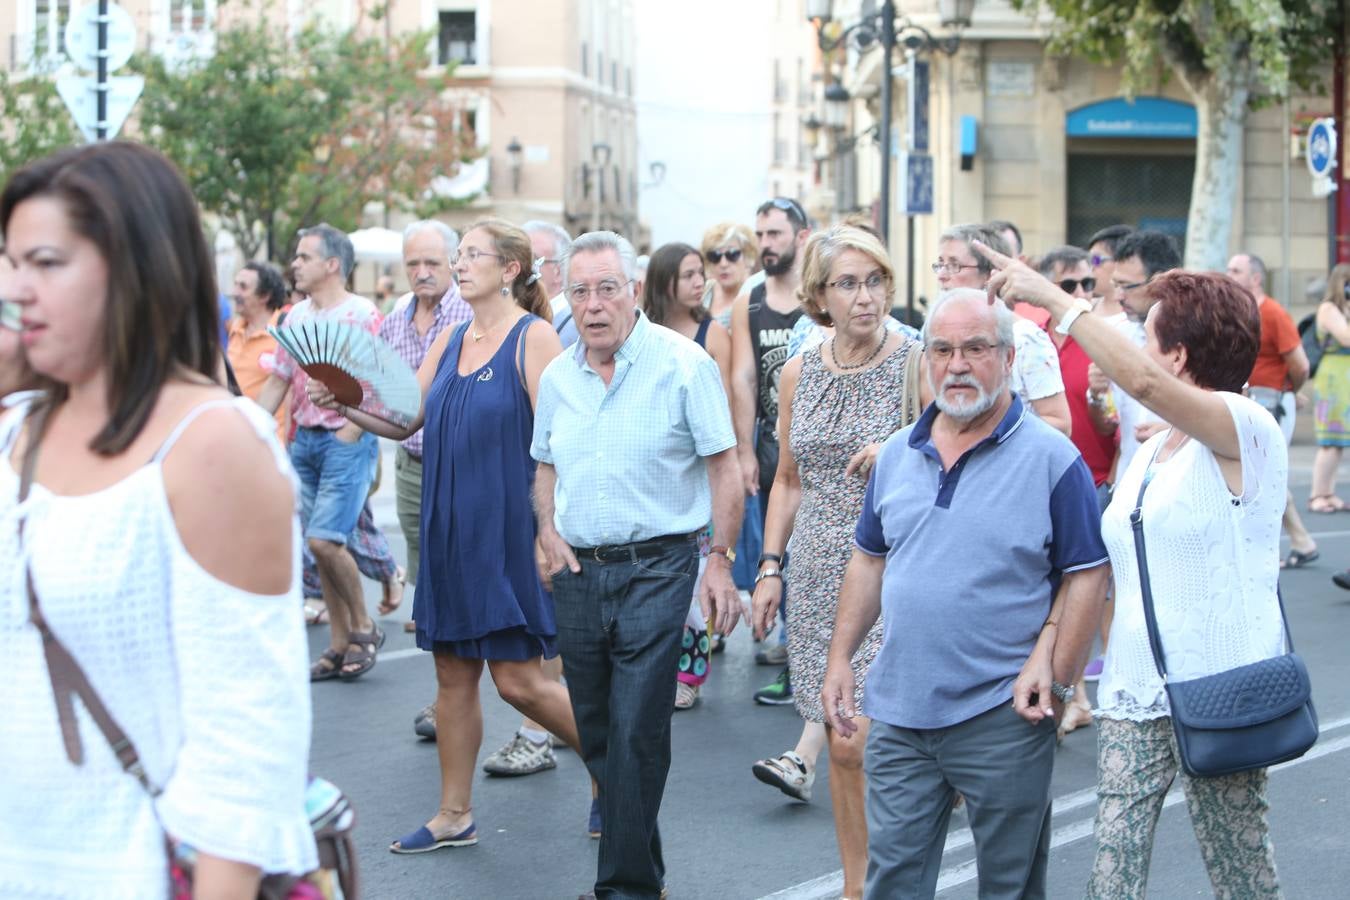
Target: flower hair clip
534, 270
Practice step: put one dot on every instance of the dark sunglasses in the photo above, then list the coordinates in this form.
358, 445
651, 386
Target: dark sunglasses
1069, 285
794, 210
1097, 259
732, 255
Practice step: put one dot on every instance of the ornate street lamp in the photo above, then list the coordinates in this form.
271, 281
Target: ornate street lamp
836, 107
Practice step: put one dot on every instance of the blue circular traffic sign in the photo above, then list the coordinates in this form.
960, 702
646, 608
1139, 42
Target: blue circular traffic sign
1321, 153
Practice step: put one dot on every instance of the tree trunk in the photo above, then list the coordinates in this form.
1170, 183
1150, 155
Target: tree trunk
1221, 108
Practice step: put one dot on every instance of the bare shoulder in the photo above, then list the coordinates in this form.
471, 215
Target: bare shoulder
232, 503
541, 338
792, 369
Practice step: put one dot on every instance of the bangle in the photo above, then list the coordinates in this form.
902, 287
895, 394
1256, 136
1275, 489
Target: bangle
768, 573
770, 557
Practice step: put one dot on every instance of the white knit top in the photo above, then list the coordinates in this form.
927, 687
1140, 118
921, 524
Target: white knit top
207, 680
1213, 562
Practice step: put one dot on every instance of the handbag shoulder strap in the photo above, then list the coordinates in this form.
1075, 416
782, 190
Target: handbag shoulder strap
67, 678
1146, 588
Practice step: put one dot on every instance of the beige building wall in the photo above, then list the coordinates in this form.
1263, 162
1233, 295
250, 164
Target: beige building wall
794, 89
1020, 98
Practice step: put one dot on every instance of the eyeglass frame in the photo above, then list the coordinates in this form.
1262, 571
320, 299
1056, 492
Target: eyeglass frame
952, 268
1130, 286
1097, 259
943, 352
595, 289
791, 208
1069, 285
883, 281
473, 254
715, 256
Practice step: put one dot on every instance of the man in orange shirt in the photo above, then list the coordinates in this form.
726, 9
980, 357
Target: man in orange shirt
259, 292
1280, 370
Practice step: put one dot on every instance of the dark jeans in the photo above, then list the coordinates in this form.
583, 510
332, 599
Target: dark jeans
619, 629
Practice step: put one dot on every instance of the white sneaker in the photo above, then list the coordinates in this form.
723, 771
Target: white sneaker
520, 756
686, 695
788, 773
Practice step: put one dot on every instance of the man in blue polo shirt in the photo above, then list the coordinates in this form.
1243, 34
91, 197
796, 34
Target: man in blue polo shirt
977, 518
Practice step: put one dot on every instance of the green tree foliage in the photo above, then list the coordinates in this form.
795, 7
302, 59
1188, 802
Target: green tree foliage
33, 122
275, 133
1230, 55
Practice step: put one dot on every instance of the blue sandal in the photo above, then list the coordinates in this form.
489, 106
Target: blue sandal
423, 841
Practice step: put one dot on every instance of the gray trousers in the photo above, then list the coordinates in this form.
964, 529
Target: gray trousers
408, 503
1000, 763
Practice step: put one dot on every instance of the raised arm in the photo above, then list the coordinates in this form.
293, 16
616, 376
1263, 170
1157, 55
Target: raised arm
1202, 414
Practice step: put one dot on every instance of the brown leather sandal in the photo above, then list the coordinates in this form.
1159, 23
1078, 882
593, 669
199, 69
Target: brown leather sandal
319, 672
367, 644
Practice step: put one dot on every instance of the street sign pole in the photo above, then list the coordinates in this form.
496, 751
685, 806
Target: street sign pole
101, 86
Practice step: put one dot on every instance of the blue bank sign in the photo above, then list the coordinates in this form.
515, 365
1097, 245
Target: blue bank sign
1144, 117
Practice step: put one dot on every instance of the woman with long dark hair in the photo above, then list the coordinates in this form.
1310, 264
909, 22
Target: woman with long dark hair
160, 538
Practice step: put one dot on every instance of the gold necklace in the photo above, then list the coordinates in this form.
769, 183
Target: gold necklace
479, 335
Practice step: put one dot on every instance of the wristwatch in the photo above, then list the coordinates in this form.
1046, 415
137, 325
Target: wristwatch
1079, 307
768, 573
1063, 691
728, 552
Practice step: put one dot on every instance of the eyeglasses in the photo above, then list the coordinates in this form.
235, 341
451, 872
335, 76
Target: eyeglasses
1097, 259
605, 290
732, 255
472, 255
952, 268
1069, 285
876, 283
789, 206
1128, 286
971, 351
11, 315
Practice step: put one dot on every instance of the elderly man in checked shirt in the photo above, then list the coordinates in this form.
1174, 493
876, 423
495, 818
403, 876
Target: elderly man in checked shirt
636, 454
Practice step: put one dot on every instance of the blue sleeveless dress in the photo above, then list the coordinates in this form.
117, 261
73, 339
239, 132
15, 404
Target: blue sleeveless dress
478, 591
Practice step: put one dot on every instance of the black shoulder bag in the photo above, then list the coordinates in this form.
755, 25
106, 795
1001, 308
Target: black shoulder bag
1246, 718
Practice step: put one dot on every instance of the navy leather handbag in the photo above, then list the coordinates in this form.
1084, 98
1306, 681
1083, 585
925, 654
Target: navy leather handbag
1240, 719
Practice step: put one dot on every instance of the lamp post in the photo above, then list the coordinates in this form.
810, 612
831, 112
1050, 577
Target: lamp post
882, 26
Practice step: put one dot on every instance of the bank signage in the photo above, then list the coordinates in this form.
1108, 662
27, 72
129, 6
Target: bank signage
1143, 117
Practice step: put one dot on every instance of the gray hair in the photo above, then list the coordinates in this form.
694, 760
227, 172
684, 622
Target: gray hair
333, 244
449, 236
1256, 265
599, 242
1065, 257
562, 241
965, 234
1004, 317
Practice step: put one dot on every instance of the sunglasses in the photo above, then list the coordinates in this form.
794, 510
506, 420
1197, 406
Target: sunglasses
10, 315
1069, 285
791, 207
732, 255
1097, 259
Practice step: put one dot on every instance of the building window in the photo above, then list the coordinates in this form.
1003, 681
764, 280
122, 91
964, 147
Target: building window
599, 65
457, 40
187, 16
780, 88
614, 75
49, 27
628, 74
585, 59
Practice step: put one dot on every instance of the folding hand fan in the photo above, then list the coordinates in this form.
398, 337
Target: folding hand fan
356, 365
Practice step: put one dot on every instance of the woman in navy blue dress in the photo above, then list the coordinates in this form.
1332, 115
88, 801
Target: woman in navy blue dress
479, 599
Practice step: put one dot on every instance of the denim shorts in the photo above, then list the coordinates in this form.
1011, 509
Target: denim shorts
334, 479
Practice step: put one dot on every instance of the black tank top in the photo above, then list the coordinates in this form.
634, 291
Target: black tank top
770, 331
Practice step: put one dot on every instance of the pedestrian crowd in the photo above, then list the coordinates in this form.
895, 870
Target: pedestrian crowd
931, 533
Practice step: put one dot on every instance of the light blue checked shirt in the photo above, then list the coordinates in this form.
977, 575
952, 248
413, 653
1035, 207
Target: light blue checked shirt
629, 458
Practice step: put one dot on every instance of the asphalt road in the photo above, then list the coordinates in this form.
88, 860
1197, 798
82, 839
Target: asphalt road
728, 836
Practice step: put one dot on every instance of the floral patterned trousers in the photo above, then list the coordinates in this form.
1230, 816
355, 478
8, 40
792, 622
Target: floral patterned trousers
1136, 764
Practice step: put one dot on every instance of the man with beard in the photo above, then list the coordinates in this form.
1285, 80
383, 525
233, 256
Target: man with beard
761, 326
1139, 257
958, 693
